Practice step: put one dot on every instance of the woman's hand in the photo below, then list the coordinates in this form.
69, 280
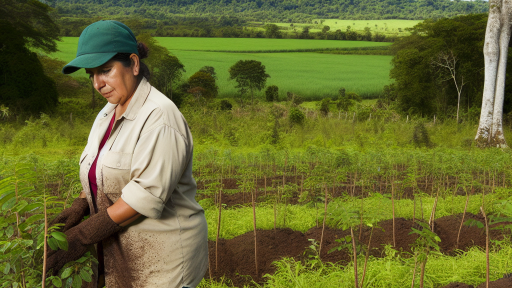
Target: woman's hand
122, 213
73, 215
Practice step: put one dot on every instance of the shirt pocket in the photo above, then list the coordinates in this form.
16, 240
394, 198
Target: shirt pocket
116, 173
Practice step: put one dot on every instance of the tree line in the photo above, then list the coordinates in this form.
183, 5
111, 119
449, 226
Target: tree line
439, 69
223, 27
276, 11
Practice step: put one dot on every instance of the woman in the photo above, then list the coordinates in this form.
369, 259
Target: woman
136, 173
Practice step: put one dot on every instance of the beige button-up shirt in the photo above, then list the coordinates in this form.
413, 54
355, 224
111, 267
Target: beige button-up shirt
147, 161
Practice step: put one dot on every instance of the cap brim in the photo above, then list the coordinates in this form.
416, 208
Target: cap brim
87, 61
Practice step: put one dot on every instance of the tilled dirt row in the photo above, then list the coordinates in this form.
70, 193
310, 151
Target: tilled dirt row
236, 256
340, 189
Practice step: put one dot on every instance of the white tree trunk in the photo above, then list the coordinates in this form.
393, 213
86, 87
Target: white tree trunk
491, 58
497, 123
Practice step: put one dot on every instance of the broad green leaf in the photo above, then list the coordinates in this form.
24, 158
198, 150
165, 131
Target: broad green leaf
9, 231
26, 242
85, 275
53, 243
9, 204
67, 272
63, 245
34, 218
69, 282
7, 268
22, 204
81, 260
31, 207
57, 282
77, 281
87, 269
59, 236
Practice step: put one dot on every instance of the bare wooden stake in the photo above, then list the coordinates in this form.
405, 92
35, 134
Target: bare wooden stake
323, 225
486, 248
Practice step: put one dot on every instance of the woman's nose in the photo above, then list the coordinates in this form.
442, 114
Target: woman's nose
97, 81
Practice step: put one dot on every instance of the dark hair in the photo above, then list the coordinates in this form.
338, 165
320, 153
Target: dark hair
124, 58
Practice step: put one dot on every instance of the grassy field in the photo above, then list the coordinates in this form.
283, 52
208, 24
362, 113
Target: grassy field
307, 74
386, 27
257, 44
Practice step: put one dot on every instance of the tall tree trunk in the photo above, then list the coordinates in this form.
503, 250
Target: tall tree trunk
497, 35
497, 121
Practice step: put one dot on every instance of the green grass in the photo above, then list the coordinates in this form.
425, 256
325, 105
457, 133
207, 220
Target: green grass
255, 44
237, 221
310, 75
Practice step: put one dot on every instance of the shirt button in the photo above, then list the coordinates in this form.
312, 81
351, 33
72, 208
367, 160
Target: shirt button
105, 115
118, 164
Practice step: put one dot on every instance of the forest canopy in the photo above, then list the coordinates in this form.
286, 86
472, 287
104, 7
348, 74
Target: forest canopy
271, 10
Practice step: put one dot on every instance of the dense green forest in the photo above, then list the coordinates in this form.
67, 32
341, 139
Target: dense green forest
271, 10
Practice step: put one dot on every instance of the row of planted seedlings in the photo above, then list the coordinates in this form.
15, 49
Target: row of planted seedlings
444, 174
425, 169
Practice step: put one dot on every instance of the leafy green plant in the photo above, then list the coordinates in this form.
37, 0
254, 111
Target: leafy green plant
425, 244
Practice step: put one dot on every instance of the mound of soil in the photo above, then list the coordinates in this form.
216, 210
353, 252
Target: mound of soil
236, 256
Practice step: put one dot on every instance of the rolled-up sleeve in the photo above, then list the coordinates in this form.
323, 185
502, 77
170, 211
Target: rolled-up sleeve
158, 162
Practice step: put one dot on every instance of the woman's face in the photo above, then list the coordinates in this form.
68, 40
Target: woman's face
114, 81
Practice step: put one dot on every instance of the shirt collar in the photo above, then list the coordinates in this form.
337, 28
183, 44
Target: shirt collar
138, 99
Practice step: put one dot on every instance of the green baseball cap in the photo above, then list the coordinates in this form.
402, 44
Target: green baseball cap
99, 42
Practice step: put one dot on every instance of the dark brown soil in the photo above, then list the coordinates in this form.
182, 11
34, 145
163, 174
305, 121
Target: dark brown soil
458, 285
340, 189
236, 256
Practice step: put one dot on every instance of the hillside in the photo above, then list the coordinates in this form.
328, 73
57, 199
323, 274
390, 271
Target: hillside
273, 10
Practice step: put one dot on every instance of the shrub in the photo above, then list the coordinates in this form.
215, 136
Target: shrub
420, 136
354, 96
324, 106
296, 116
225, 105
294, 98
272, 93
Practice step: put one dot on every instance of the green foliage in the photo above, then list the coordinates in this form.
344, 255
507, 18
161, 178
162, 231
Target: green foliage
272, 31
324, 106
272, 93
420, 136
250, 75
225, 105
296, 116
421, 87
175, 13
210, 70
202, 86
166, 69
24, 87
22, 231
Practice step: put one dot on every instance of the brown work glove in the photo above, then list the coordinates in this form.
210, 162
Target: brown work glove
92, 230
72, 215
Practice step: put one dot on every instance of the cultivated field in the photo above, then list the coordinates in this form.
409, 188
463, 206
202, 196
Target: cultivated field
263, 45
308, 74
391, 27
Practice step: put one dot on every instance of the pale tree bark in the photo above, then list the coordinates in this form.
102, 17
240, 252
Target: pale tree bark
497, 37
497, 122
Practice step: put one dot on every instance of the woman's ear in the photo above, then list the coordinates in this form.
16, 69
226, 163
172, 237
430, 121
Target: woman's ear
135, 64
